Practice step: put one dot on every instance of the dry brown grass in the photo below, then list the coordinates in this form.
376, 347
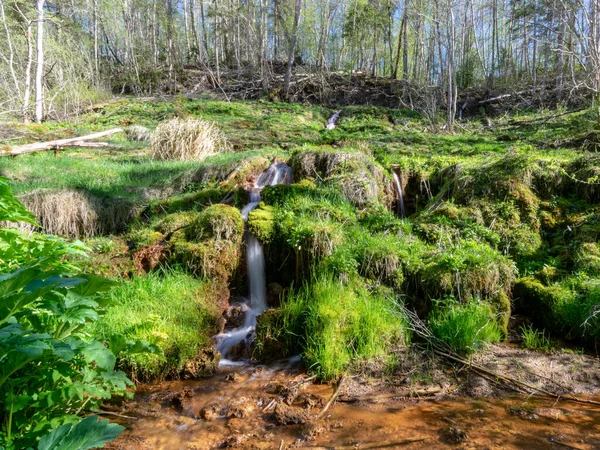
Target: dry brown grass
73, 213
187, 139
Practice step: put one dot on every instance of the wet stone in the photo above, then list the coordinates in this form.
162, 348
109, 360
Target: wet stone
181, 399
204, 364
234, 316
210, 412
240, 408
455, 435
289, 415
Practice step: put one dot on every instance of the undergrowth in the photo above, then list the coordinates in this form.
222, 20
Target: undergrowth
168, 309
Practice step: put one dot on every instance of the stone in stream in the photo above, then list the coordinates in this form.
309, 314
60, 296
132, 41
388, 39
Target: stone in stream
289, 415
182, 398
234, 316
210, 412
204, 364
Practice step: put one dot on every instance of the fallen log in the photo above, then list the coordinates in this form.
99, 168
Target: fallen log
59, 143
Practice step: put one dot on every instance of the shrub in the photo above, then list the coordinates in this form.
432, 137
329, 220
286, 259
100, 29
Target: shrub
464, 327
189, 139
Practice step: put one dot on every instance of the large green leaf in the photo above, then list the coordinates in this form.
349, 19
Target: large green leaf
89, 433
12, 209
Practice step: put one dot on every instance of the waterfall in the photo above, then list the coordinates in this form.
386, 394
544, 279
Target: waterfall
333, 119
400, 199
256, 303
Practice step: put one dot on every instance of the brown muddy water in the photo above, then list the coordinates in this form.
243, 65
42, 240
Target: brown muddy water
274, 408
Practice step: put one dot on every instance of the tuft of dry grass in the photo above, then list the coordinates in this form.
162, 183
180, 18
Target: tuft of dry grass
73, 213
187, 139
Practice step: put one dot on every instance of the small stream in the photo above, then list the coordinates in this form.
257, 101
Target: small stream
256, 303
238, 401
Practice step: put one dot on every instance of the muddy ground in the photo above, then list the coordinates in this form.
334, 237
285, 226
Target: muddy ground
419, 403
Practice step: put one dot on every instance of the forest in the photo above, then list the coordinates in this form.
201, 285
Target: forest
280, 224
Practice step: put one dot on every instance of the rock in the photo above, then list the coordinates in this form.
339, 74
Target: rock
274, 291
235, 316
181, 399
210, 412
289, 415
203, 365
233, 377
234, 441
240, 408
455, 435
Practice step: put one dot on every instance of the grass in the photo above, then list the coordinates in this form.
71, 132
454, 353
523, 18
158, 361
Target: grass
486, 205
169, 309
534, 339
338, 324
465, 328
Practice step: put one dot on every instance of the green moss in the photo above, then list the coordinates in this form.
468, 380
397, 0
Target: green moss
467, 270
587, 258
176, 221
261, 223
218, 222
195, 201
144, 236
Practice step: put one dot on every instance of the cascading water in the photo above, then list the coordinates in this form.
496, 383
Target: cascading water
333, 119
277, 173
401, 211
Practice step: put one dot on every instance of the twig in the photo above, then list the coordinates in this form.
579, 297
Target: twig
109, 413
332, 399
371, 444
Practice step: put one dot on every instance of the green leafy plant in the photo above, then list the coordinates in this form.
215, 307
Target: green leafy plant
50, 370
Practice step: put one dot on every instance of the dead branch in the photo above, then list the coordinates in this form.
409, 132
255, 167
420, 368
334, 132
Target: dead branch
372, 444
59, 143
332, 399
405, 393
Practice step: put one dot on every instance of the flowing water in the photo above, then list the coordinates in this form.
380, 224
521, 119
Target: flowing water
277, 173
401, 211
239, 402
332, 120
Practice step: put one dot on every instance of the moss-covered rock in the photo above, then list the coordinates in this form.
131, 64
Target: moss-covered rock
195, 201
261, 223
211, 245
176, 221
218, 222
357, 175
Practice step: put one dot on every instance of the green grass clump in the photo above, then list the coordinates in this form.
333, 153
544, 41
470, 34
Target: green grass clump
465, 328
534, 339
168, 309
336, 324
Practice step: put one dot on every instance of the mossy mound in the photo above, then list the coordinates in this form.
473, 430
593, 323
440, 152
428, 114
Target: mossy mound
211, 245
355, 174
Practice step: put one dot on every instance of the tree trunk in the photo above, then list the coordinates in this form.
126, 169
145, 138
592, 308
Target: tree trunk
39, 70
292, 50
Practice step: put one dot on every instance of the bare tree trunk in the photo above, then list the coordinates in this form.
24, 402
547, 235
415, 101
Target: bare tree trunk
292, 50
39, 70
27, 93
11, 52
